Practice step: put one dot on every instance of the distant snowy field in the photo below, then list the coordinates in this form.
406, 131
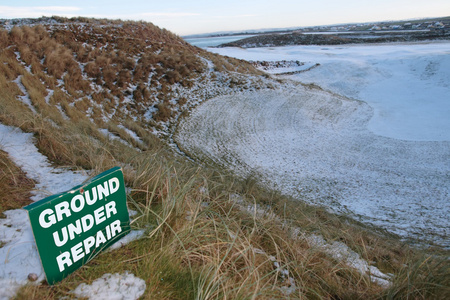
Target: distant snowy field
408, 85
385, 159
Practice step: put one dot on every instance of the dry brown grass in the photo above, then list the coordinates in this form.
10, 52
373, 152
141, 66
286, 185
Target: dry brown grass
235, 253
15, 186
164, 112
4, 38
75, 84
10, 67
83, 105
58, 61
109, 76
149, 140
173, 77
92, 69
36, 90
123, 79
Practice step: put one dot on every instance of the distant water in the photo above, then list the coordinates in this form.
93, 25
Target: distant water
205, 42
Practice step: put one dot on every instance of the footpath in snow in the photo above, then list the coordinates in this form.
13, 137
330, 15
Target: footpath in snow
18, 254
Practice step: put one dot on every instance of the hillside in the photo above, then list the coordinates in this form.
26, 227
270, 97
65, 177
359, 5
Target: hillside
87, 95
112, 71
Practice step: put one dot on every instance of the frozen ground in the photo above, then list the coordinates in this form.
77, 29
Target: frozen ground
112, 286
387, 163
408, 85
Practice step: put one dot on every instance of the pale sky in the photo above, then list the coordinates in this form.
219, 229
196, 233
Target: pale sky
185, 17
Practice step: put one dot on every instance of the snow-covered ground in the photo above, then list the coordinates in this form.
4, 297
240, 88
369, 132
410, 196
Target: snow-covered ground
408, 85
385, 159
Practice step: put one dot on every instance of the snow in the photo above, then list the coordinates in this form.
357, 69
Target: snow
351, 156
49, 95
132, 236
112, 287
113, 137
50, 180
131, 133
26, 98
341, 252
284, 67
408, 85
337, 250
18, 254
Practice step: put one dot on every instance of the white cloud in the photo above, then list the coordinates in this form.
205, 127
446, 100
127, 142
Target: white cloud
58, 8
34, 11
236, 16
161, 14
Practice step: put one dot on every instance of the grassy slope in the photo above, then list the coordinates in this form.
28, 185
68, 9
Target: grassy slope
83, 75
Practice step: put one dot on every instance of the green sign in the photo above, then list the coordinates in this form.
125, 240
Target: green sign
71, 228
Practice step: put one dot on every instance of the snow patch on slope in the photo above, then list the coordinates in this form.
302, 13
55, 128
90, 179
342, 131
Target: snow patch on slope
24, 153
337, 250
18, 256
112, 286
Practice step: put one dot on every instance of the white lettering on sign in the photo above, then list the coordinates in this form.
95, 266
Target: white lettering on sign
80, 250
48, 217
84, 224
45, 221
